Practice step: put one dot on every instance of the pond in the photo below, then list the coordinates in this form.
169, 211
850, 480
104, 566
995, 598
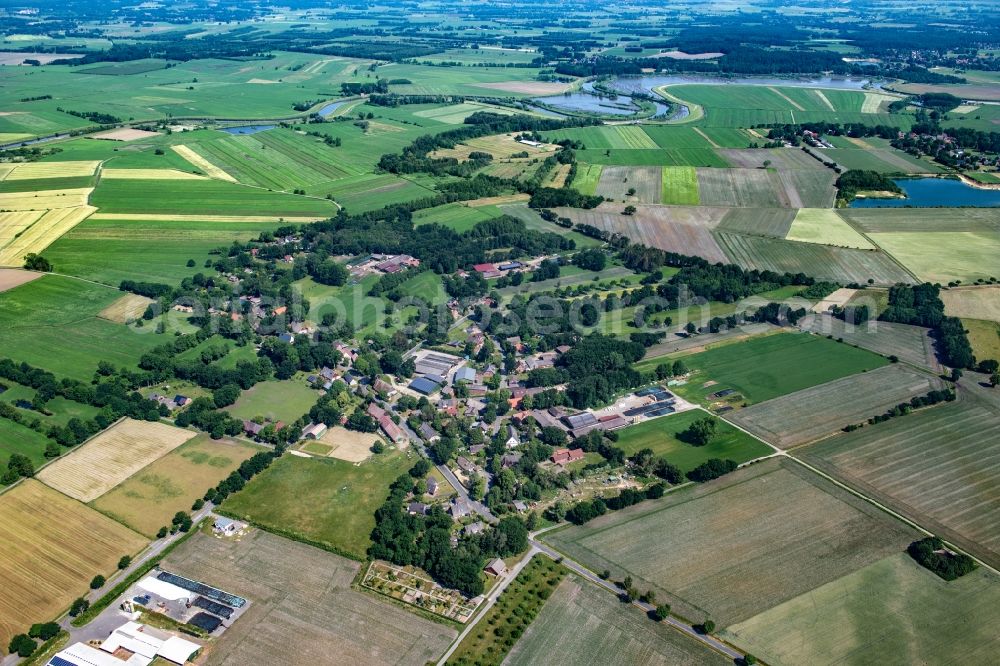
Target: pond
247, 129
935, 192
331, 107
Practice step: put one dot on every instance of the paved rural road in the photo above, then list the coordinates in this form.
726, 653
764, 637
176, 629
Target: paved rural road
490, 600
478, 507
717, 645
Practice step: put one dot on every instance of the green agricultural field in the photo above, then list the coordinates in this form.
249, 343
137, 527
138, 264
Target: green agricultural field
326, 501
284, 400
702, 157
985, 178
455, 216
366, 192
16, 438
619, 137
936, 466
587, 177
773, 222
766, 367
110, 251
680, 186
612, 634
891, 612
660, 435
208, 197
52, 323
735, 547
944, 256
897, 220
824, 226
679, 138
823, 262
725, 137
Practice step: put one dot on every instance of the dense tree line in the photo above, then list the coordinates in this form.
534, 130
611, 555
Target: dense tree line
921, 305
851, 182
587, 510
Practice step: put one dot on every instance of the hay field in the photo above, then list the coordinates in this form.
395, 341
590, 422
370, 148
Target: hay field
38, 170
45, 199
328, 501
685, 229
944, 256
149, 174
148, 499
824, 226
12, 277
823, 262
581, 623
303, 592
822, 410
680, 186
937, 466
51, 546
984, 336
741, 188
973, 303
125, 309
349, 445
616, 181
43, 232
773, 530
201, 163
912, 344
111, 457
892, 612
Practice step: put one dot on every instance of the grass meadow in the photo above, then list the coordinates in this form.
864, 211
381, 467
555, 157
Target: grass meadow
278, 400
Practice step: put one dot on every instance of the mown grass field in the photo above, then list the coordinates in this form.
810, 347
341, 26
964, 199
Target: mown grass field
824, 226
587, 177
984, 336
325, 500
278, 400
298, 590
148, 500
912, 344
51, 547
16, 438
937, 466
660, 435
973, 303
582, 623
767, 367
512, 615
735, 547
455, 216
114, 455
822, 410
944, 256
52, 323
208, 197
110, 251
890, 612
823, 262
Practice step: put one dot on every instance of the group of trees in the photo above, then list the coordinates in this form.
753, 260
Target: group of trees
851, 182
921, 305
932, 554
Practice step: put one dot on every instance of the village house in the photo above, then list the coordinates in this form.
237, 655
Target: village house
566, 456
314, 430
496, 568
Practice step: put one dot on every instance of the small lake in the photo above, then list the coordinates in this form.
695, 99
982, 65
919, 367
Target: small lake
332, 106
594, 101
247, 129
934, 192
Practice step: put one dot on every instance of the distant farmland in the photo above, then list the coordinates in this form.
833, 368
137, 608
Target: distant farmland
939, 467
734, 547
582, 623
912, 344
806, 415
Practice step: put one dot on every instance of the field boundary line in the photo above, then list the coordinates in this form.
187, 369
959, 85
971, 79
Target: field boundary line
882, 507
879, 248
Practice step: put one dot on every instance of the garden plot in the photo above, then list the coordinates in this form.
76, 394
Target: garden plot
616, 182
824, 226
111, 457
815, 412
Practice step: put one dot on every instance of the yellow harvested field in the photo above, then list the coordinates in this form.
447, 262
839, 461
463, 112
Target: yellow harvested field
149, 174
5, 169
154, 217
873, 102
348, 445
965, 108
10, 137
45, 231
13, 277
14, 223
859, 142
840, 297
197, 160
497, 200
33, 170
45, 199
111, 457
824, 226
126, 309
972, 303
125, 134
500, 146
51, 546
